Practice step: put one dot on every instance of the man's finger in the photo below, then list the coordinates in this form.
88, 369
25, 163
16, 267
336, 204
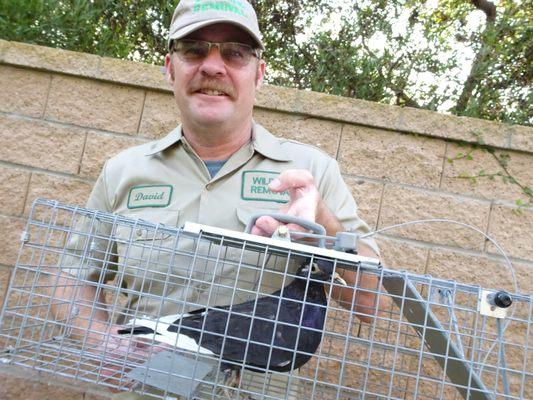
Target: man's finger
291, 179
265, 225
296, 228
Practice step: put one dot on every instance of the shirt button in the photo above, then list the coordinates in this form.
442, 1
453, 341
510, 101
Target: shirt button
139, 232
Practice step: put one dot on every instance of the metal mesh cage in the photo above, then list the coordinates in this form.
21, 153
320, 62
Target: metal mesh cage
431, 339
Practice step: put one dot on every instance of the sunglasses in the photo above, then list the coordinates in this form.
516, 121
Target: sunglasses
234, 54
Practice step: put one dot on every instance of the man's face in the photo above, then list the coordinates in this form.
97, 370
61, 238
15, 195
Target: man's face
210, 92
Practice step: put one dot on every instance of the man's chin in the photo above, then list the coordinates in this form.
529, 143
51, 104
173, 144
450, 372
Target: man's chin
211, 119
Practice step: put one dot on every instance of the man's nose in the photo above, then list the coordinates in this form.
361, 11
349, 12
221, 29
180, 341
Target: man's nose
213, 64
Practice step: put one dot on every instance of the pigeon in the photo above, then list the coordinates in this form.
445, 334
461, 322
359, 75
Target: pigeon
277, 332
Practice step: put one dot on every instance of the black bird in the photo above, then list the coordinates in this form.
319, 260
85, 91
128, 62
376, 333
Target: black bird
277, 332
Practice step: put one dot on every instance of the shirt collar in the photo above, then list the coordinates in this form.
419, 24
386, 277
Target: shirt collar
267, 144
164, 143
262, 141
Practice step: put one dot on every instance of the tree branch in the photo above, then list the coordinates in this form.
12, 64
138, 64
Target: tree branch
474, 77
487, 7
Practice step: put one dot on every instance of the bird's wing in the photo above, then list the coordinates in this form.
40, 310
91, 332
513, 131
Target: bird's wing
158, 330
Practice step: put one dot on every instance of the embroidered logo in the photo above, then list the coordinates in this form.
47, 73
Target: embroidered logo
234, 6
254, 186
149, 196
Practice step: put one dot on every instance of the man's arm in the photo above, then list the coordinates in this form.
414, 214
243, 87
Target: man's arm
82, 305
365, 302
307, 203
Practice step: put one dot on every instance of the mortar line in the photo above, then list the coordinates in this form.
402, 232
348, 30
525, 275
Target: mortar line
62, 124
339, 141
137, 131
29, 168
444, 160
487, 229
426, 266
80, 161
45, 108
440, 246
380, 206
26, 194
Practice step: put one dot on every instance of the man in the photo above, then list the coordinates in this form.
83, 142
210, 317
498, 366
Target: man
219, 167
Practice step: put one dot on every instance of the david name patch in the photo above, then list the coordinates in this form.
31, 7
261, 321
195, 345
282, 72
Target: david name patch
149, 196
255, 187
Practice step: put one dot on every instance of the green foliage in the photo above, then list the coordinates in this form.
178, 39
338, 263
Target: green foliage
128, 29
440, 55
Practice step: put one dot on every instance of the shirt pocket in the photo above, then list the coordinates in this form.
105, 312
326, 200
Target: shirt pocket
137, 231
145, 252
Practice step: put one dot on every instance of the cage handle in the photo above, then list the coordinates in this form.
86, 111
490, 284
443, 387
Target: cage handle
315, 228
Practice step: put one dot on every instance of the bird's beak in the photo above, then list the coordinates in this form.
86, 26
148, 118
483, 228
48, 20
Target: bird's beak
338, 279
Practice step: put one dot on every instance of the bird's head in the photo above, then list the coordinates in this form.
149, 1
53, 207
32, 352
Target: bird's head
320, 270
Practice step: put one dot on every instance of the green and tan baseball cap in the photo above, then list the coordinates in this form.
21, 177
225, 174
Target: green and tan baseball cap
191, 15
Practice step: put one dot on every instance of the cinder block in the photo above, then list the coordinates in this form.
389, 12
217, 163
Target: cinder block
41, 144
479, 270
4, 44
278, 98
94, 104
67, 190
403, 205
20, 383
401, 256
99, 148
367, 195
23, 91
14, 184
5, 276
160, 115
133, 73
512, 228
524, 274
453, 127
391, 156
354, 111
519, 165
321, 133
522, 138
51, 59
10, 230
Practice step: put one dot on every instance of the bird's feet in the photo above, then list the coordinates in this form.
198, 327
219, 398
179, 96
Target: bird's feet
231, 381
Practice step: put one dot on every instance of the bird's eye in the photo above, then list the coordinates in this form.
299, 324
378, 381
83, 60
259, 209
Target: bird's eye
314, 269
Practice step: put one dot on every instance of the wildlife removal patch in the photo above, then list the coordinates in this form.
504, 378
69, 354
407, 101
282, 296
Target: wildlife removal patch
149, 196
255, 187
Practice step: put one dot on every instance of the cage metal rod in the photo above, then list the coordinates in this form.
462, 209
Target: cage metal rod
436, 339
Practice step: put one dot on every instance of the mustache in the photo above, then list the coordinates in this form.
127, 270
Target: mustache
212, 84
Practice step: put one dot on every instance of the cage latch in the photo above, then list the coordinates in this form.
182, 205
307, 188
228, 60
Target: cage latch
494, 303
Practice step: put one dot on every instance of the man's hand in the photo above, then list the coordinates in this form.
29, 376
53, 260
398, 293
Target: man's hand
119, 353
305, 201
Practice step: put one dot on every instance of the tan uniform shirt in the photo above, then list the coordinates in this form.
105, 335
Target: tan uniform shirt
165, 181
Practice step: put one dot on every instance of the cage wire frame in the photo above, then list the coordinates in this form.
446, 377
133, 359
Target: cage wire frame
429, 340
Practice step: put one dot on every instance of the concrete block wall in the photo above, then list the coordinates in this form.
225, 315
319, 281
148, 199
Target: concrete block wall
62, 114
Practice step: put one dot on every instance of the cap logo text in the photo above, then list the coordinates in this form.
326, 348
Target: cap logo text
233, 6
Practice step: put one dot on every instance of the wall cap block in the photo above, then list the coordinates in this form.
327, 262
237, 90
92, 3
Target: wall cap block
354, 111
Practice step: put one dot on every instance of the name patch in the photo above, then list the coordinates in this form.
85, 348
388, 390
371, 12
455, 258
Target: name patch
255, 187
149, 196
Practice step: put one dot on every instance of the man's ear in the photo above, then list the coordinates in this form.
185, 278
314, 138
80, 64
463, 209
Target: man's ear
169, 70
261, 68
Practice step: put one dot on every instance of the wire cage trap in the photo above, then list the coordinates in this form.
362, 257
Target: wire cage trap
197, 312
